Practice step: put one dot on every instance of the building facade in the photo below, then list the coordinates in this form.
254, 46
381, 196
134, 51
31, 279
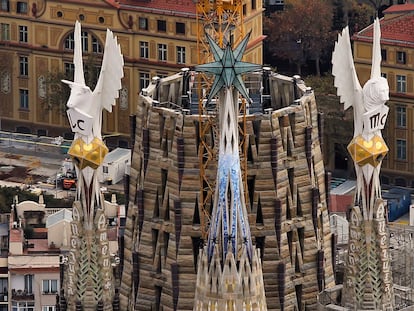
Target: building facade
157, 38
397, 49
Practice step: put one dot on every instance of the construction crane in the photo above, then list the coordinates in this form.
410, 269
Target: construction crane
223, 21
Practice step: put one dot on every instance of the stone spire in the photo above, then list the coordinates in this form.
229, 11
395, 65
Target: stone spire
88, 280
229, 275
368, 282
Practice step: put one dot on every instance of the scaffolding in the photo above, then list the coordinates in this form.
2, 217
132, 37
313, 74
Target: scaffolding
223, 21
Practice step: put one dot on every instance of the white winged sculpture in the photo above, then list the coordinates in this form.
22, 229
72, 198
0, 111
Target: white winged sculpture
85, 116
370, 113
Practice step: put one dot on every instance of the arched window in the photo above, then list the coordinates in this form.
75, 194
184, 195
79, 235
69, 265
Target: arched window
89, 42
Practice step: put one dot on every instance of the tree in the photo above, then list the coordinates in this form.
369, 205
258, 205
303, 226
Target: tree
57, 93
360, 15
301, 32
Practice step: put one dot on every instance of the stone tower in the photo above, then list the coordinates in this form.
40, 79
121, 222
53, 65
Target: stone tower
368, 282
286, 199
88, 280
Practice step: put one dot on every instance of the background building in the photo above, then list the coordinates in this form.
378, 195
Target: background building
157, 38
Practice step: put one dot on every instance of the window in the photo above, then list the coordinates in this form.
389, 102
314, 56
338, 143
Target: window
23, 306
253, 4
104, 169
162, 52
69, 70
4, 288
401, 84
23, 34
161, 25
24, 66
84, 40
21, 7
180, 28
143, 23
401, 57
48, 308
24, 104
144, 80
244, 9
180, 55
5, 5
162, 75
49, 286
70, 42
143, 48
384, 54
5, 32
401, 114
401, 149
96, 45
28, 278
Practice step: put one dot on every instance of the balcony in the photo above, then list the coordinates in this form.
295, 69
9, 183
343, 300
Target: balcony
4, 297
21, 295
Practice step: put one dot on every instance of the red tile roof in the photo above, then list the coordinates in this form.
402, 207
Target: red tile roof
161, 7
407, 7
397, 31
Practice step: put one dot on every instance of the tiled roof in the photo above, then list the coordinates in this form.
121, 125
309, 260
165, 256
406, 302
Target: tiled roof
407, 7
162, 7
397, 31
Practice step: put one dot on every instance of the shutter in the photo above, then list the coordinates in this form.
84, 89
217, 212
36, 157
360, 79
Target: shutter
410, 84
391, 81
171, 53
152, 50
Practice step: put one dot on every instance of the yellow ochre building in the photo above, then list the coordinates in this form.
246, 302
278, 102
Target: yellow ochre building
157, 38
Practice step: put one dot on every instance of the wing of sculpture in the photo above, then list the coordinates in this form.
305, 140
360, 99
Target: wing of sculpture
77, 56
343, 69
109, 82
376, 51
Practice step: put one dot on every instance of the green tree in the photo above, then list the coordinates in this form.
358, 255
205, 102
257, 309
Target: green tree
360, 15
7, 195
57, 92
301, 32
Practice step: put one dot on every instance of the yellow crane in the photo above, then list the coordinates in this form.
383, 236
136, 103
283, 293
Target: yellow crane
223, 21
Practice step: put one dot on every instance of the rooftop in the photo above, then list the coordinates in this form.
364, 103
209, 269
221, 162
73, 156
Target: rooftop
396, 30
162, 7
63, 214
117, 154
400, 8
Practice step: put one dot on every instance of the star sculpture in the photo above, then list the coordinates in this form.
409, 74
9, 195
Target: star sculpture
228, 67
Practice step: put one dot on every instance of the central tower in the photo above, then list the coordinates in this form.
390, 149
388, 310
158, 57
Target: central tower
229, 270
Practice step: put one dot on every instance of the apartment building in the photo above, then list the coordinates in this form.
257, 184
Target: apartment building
33, 244
397, 49
157, 38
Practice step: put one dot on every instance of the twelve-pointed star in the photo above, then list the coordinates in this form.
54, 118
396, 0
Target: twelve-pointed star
228, 67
